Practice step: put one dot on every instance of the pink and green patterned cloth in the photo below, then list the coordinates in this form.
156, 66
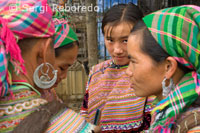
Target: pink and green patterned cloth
64, 34
20, 19
19, 23
177, 31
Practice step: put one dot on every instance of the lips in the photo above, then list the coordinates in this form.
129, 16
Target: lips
132, 86
119, 57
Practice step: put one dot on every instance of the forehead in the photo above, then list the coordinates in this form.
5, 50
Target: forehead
68, 54
134, 43
118, 30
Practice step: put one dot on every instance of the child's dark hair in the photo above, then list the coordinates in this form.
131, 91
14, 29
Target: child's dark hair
122, 12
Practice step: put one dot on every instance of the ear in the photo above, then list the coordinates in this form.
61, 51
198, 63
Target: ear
43, 49
170, 67
46, 46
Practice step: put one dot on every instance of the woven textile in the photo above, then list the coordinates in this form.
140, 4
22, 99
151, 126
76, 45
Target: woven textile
20, 19
108, 90
177, 31
68, 121
27, 99
13, 111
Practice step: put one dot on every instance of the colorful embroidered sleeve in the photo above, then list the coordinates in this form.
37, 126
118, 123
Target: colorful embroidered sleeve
68, 121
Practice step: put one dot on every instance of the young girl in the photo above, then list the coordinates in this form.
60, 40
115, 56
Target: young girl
108, 87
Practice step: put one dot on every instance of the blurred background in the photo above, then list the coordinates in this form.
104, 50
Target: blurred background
85, 17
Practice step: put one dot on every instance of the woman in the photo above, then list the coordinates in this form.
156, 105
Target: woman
66, 47
164, 61
108, 88
56, 117
20, 95
34, 65
66, 51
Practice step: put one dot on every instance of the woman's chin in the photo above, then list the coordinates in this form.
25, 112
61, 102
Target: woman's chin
140, 94
55, 85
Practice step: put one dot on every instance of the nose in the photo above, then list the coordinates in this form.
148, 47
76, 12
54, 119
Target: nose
128, 71
118, 48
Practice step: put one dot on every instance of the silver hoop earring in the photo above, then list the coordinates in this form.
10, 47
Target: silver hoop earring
44, 81
167, 89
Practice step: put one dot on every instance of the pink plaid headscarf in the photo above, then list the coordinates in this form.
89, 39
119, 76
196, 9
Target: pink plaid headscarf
20, 19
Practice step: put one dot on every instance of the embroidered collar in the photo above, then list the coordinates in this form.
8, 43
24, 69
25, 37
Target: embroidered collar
113, 65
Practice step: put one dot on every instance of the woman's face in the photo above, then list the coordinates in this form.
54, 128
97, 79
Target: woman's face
146, 75
65, 59
116, 41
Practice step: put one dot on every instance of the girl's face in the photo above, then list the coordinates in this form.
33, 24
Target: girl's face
146, 75
116, 41
65, 59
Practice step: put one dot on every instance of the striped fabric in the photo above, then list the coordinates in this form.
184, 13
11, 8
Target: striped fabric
177, 31
194, 130
13, 111
108, 90
26, 100
19, 17
4, 73
68, 121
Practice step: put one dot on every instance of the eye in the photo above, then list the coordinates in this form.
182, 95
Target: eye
109, 40
132, 60
61, 68
125, 41
64, 67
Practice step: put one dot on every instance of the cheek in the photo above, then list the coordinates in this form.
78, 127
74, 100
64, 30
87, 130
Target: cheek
125, 49
137, 72
131, 67
141, 73
51, 60
109, 47
149, 80
57, 66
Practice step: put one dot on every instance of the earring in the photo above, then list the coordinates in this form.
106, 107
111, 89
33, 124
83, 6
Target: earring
44, 81
167, 89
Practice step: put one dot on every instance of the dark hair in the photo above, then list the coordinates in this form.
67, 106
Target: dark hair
68, 46
122, 12
149, 44
151, 47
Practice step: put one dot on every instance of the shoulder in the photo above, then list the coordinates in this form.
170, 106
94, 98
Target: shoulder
100, 66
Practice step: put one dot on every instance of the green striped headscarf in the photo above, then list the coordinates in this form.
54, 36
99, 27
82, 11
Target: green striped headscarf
177, 31
64, 34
